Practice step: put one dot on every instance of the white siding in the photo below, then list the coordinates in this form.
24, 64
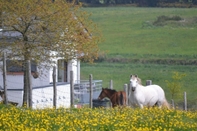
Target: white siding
75, 67
16, 81
42, 97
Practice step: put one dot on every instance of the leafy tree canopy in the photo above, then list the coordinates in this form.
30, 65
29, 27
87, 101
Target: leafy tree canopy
39, 27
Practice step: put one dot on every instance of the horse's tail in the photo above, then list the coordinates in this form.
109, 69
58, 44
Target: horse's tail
166, 104
121, 98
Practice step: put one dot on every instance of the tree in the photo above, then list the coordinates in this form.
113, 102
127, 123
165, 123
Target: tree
175, 84
46, 30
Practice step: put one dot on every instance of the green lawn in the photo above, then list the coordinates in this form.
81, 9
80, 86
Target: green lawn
128, 32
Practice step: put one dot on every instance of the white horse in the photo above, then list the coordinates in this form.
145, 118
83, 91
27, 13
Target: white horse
146, 95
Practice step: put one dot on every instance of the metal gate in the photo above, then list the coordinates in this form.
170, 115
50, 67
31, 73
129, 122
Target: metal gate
82, 91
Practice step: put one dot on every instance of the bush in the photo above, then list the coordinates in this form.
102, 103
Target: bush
161, 20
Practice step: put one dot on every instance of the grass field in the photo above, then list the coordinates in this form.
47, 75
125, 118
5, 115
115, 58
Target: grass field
129, 32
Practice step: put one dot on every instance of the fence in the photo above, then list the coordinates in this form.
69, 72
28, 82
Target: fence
82, 91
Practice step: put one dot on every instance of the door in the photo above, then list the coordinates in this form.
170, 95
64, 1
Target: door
62, 71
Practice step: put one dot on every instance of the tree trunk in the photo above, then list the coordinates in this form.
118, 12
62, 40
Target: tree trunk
25, 88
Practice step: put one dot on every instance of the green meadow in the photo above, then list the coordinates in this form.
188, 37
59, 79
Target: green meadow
136, 41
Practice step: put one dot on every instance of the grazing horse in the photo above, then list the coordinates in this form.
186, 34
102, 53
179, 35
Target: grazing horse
149, 96
117, 98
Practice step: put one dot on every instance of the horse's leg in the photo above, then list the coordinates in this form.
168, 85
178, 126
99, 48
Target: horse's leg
116, 101
141, 106
121, 99
159, 104
125, 101
156, 104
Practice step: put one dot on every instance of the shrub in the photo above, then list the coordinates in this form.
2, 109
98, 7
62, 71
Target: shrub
161, 20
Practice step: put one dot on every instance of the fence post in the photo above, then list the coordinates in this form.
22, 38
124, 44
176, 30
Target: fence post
172, 104
25, 88
111, 87
185, 102
91, 92
148, 82
5, 79
54, 88
71, 89
129, 91
111, 84
126, 91
29, 83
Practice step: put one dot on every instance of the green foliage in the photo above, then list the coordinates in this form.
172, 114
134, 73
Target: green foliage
175, 85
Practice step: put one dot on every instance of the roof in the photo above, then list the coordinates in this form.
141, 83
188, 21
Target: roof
9, 35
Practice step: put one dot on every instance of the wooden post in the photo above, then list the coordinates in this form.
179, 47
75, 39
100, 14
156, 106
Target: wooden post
129, 91
54, 88
126, 91
173, 107
185, 101
5, 79
71, 89
25, 88
91, 92
111, 84
29, 83
148, 82
111, 87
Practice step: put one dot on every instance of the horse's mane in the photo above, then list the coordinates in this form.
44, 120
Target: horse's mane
111, 90
139, 80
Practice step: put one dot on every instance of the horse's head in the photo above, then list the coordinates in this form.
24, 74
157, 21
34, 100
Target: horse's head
102, 94
134, 81
106, 93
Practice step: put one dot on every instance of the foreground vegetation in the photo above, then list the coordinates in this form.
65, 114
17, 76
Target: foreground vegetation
86, 119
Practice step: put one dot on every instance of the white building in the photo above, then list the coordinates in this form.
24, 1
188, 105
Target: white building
42, 93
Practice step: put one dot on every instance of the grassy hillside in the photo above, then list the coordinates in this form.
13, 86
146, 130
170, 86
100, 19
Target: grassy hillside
129, 30
135, 45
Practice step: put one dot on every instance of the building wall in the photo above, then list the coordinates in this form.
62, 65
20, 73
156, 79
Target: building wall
75, 67
15, 96
42, 97
15, 81
42, 93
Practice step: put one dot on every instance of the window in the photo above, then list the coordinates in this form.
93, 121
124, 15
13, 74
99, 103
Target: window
18, 66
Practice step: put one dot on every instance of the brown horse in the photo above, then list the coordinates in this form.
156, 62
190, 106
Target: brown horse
117, 98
